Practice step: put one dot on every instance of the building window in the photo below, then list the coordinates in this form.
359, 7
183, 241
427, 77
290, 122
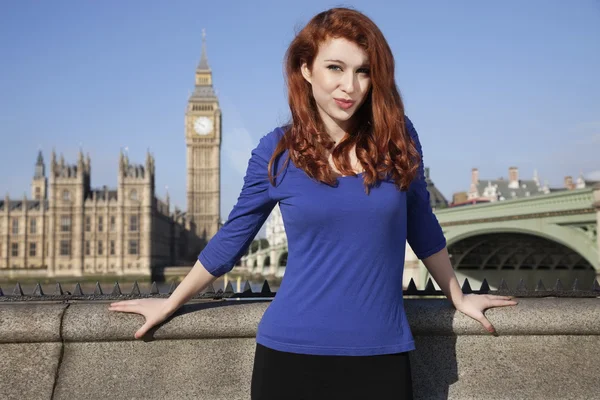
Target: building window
15, 226
66, 195
112, 247
65, 248
100, 248
88, 249
38, 193
88, 224
32, 249
65, 223
100, 224
133, 195
133, 247
33, 226
14, 250
133, 223
113, 224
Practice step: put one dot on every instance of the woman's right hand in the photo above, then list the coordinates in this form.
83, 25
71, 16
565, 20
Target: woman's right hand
154, 310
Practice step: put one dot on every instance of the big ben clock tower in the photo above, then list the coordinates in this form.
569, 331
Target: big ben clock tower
203, 143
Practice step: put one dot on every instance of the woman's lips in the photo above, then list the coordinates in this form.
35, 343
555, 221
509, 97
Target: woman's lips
345, 104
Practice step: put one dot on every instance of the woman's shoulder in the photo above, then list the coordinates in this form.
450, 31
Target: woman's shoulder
409, 126
272, 138
266, 149
268, 142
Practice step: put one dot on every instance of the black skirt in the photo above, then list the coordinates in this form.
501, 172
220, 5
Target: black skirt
279, 375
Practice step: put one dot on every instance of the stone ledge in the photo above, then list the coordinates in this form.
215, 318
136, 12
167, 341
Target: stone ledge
545, 351
539, 316
92, 322
30, 322
203, 320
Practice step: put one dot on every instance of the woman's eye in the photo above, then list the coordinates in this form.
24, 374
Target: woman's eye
338, 68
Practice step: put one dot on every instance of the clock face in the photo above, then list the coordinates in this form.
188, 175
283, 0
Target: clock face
203, 126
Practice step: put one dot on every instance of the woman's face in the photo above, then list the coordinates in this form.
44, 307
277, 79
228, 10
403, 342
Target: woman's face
340, 81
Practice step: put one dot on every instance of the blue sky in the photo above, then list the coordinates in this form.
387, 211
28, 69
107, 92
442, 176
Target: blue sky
487, 84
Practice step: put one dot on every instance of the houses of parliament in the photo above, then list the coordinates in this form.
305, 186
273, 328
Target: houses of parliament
68, 228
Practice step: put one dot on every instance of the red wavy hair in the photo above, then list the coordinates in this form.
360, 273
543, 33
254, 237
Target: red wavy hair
384, 148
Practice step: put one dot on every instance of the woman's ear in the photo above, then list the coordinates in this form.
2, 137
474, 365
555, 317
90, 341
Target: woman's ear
306, 72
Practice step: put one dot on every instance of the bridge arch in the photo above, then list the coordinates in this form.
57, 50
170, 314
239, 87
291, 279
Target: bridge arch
281, 264
546, 251
266, 265
573, 239
252, 263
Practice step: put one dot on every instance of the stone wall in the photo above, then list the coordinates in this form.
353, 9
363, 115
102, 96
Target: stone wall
547, 348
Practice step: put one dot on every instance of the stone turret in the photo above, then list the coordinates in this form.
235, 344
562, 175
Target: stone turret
39, 183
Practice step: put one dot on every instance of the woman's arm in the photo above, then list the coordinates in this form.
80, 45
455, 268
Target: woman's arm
441, 270
155, 310
195, 281
426, 238
472, 305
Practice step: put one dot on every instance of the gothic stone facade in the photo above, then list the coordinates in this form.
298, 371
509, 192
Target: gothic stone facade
70, 229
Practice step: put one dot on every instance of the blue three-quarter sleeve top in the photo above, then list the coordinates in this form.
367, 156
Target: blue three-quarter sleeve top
341, 293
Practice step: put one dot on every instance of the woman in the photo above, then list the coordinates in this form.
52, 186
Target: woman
348, 175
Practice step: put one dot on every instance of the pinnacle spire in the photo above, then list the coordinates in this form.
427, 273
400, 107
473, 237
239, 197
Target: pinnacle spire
203, 65
40, 169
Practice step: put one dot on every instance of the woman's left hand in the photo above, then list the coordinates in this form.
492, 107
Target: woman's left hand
473, 305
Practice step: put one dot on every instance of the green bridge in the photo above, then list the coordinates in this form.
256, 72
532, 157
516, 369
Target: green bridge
545, 237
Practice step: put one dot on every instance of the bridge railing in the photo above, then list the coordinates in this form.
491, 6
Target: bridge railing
577, 289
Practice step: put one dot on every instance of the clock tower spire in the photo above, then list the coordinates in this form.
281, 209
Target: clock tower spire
203, 143
203, 65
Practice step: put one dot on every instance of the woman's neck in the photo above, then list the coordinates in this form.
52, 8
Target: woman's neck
337, 130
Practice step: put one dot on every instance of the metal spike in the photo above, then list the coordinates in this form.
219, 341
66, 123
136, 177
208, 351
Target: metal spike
430, 287
558, 287
58, 291
595, 287
1, 292
154, 288
412, 287
247, 287
173, 287
540, 286
265, 288
575, 286
485, 287
466, 288
38, 290
135, 290
116, 290
98, 289
210, 289
77, 291
18, 291
521, 287
229, 288
503, 286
